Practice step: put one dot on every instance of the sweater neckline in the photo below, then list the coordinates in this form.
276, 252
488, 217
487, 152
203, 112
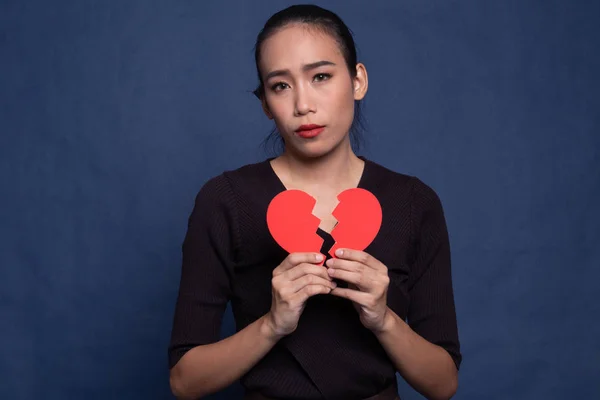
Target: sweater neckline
281, 187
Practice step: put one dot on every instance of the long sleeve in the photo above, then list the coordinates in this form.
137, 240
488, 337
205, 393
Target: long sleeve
229, 255
431, 311
205, 283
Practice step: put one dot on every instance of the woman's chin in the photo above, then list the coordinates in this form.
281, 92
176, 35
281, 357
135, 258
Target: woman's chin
314, 151
314, 148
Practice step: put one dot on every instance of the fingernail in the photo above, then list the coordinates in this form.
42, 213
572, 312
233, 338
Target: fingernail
339, 252
319, 257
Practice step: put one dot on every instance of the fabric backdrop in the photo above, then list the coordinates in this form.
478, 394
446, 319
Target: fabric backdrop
114, 113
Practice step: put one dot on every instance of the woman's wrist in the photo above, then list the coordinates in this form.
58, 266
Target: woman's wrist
391, 323
267, 328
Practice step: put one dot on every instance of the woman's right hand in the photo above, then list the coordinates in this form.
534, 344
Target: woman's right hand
297, 278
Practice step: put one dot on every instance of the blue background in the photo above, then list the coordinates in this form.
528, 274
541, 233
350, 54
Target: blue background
113, 114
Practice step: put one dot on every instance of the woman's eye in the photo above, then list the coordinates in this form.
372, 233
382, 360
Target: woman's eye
322, 77
278, 86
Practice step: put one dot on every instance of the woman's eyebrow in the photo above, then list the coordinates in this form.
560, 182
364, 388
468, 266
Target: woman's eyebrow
306, 67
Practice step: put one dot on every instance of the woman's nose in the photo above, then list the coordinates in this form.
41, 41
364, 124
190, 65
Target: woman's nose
303, 101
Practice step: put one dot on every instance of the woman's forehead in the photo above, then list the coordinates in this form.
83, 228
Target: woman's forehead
297, 45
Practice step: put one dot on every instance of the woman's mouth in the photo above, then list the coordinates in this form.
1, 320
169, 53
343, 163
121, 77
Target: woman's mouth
309, 131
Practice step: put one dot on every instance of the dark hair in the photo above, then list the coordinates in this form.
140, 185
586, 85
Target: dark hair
329, 23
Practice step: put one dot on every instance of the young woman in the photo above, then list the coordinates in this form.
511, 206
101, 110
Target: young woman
299, 334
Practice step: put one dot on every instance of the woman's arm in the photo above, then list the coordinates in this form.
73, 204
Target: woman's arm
209, 368
426, 350
199, 363
428, 368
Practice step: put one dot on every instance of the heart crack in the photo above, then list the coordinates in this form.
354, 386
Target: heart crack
293, 225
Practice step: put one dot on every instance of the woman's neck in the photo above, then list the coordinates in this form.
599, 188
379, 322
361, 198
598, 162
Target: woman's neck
336, 171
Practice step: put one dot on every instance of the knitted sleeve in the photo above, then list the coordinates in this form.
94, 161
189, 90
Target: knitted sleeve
205, 283
431, 311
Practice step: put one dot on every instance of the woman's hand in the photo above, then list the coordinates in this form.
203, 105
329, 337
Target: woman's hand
368, 283
297, 278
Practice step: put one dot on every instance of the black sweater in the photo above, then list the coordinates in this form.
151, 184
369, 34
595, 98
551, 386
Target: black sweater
229, 255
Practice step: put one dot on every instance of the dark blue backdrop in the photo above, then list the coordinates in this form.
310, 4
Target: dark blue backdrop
113, 114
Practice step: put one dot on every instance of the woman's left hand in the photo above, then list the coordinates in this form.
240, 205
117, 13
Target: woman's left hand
368, 283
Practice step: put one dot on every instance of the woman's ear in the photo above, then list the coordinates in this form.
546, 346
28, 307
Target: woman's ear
361, 82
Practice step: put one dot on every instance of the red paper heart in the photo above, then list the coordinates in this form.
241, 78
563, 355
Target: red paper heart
294, 227
291, 222
359, 219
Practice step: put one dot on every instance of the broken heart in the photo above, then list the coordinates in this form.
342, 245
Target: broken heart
294, 227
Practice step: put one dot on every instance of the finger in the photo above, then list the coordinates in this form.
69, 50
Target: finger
306, 269
360, 298
282, 281
309, 291
367, 282
294, 259
359, 256
347, 265
308, 280
350, 277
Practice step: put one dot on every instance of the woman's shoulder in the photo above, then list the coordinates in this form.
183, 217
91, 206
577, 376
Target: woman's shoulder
227, 187
253, 170
419, 191
378, 170
245, 173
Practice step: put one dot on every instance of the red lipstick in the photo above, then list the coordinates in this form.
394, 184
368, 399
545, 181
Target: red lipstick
309, 131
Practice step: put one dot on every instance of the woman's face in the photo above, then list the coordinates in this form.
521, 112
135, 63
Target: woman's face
307, 82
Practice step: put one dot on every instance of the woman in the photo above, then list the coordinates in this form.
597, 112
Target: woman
299, 334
